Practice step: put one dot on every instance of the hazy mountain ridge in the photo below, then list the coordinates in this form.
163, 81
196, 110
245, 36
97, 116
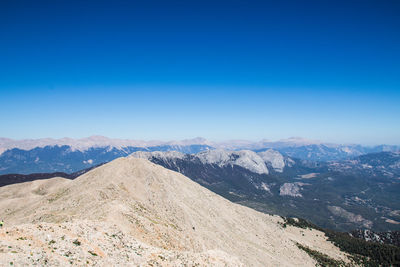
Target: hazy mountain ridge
294, 147
81, 153
385, 164
66, 159
95, 141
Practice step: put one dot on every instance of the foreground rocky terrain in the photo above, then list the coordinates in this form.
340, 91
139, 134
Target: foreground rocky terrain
134, 212
85, 243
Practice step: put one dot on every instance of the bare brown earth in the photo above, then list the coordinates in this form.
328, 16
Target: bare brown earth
131, 212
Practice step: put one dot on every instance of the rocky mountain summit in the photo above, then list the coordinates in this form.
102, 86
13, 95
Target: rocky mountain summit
132, 212
259, 163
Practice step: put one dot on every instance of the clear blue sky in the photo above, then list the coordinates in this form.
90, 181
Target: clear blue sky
327, 70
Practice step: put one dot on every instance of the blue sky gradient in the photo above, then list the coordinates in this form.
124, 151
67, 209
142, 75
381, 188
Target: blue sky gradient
325, 70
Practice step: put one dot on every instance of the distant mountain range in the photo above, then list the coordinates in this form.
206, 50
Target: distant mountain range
341, 187
84, 144
71, 155
295, 146
342, 195
66, 159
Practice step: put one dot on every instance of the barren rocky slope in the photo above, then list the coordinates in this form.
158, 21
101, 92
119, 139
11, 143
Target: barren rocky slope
108, 214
